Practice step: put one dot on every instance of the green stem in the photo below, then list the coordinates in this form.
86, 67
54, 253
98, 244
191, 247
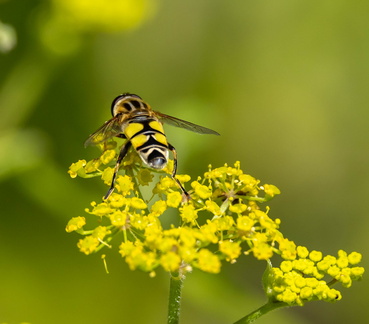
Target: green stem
250, 318
175, 290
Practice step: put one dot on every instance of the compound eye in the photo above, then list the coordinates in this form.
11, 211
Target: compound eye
158, 163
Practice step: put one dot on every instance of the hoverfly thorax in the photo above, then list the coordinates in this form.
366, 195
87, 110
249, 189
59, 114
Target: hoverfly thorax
127, 103
134, 120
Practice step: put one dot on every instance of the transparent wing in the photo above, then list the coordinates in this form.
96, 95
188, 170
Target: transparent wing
173, 121
110, 129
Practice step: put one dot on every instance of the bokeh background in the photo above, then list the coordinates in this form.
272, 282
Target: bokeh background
284, 82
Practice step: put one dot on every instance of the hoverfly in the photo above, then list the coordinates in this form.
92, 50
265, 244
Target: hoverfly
134, 120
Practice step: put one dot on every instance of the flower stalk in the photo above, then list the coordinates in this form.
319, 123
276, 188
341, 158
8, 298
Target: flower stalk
175, 295
263, 310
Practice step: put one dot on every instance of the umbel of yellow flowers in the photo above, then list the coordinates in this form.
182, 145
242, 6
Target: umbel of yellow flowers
221, 222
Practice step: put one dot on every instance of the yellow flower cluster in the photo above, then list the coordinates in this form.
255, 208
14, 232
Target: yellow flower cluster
302, 279
221, 222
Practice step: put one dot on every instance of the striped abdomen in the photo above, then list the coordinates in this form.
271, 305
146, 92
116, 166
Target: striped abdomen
147, 137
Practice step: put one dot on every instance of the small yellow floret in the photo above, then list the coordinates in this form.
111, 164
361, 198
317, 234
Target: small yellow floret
208, 262
174, 199
124, 184
315, 256
107, 175
354, 258
102, 209
302, 251
88, 244
107, 156
202, 191
77, 167
91, 166
119, 218
238, 208
183, 178
138, 203
117, 200
170, 261
245, 223
158, 208
271, 190
262, 251
75, 224
232, 250
188, 213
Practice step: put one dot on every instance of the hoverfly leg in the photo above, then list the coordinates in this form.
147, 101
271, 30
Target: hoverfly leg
122, 154
186, 195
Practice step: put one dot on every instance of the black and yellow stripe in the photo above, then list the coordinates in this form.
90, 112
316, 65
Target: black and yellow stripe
148, 139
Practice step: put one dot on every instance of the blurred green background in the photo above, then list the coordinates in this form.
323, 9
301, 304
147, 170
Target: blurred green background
284, 82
